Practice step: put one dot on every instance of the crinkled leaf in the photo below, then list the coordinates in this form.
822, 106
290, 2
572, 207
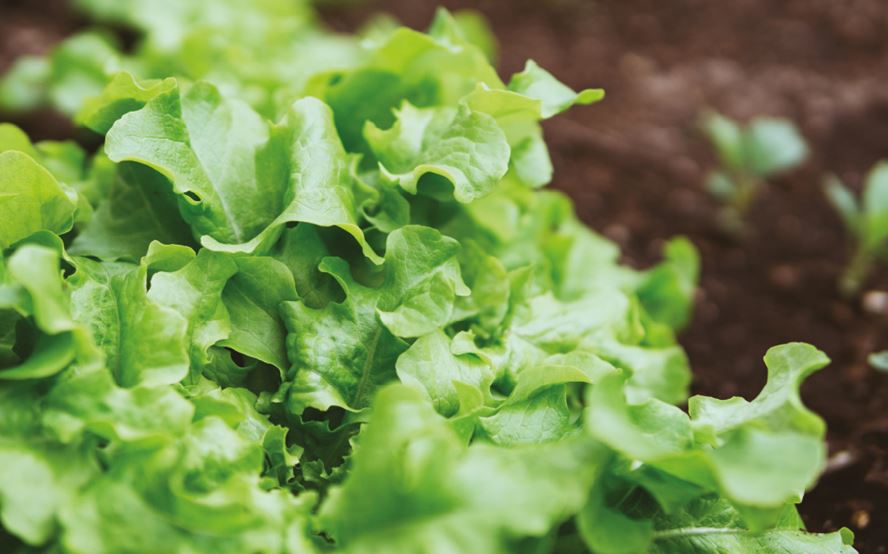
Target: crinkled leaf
465, 147
341, 353
667, 291
140, 209
207, 146
710, 526
30, 199
123, 94
144, 342
555, 97
422, 281
759, 455
777, 407
415, 486
316, 182
194, 291
301, 250
253, 297
431, 365
537, 410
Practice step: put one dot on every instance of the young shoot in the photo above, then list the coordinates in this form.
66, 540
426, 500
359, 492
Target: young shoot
879, 361
748, 156
866, 222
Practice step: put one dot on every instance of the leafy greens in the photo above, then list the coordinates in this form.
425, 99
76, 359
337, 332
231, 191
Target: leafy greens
308, 297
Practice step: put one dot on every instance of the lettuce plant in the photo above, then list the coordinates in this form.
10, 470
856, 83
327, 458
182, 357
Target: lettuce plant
866, 223
309, 297
748, 156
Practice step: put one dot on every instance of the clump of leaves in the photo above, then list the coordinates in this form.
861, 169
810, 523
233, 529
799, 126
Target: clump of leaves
866, 223
309, 297
748, 156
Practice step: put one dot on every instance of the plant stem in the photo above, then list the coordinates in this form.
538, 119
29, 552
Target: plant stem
696, 532
747, 190
733, 215
731, 221
855, 273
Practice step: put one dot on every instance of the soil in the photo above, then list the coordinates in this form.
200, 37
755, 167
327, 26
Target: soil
635, 166
31, 27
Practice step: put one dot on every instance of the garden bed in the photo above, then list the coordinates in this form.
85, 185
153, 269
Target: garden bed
635, 166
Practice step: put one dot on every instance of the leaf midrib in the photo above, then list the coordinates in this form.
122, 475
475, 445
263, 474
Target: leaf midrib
368, 365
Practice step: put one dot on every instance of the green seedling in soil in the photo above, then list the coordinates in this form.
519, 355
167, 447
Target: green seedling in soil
879, 361
748, 156
866, 222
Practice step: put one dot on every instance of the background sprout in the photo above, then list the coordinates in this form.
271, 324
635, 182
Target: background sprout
866, 222
748, 156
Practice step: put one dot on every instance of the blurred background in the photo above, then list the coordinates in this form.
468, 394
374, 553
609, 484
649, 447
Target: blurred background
636, 164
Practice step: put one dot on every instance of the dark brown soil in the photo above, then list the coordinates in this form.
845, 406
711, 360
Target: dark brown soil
29, 27
635, 166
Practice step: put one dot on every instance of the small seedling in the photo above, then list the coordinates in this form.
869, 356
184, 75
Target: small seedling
748, 156
879, 361
866, 222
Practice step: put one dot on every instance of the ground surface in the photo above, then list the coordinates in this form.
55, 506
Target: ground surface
635, 166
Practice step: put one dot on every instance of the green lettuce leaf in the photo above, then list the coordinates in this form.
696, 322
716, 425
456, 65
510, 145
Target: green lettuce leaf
139, 209
466, 148
210, 161
194, 291
31, 199
316, 179
759, 455
143, 341
41, 337
253, 297
422, 281
310, 299
239, 180
123, 94
706, 526
535, 82
342, 367
431, 365
415, 486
